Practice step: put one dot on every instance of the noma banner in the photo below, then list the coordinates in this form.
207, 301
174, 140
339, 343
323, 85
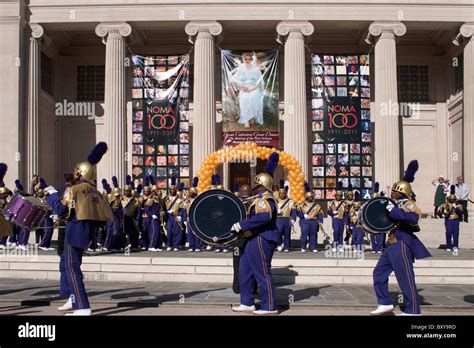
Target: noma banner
160, 124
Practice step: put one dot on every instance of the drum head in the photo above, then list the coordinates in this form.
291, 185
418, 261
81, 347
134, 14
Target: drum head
212, 215
374, 216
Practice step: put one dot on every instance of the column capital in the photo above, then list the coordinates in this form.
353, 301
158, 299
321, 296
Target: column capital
467, 30
303, 27
211, 27
37, 30
105, 28
377, 28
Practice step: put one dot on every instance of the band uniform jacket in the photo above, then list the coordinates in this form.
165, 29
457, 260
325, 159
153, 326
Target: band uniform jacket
341, 211
408, 215
286, 207
314, 213
451, 213
262, 218
85, 208
6, 227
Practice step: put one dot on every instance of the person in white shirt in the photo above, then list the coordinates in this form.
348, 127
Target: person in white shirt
462, 195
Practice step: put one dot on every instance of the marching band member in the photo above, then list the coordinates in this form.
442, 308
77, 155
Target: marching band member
130, 213
255, 261
356, 231
452, 212
311, 215
47, 228
115, 240
102, 231
158, 214
85, 208
403, 248
151, 223
237, 190
24, 233
194, 242
34, 184
217, 185
286, 217
60, 221
377, 239
337, 210
146, 201
6, 227
245, 191
349, 203
173, 217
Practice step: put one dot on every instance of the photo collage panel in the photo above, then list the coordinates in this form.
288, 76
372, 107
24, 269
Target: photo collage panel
340, 86
160, 122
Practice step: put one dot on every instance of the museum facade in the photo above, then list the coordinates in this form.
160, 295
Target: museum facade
353, 91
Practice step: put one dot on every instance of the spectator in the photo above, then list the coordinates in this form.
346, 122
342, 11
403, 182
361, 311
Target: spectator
462, 195
439, 197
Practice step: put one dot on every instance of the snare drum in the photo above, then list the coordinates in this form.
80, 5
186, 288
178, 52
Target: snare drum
26, 211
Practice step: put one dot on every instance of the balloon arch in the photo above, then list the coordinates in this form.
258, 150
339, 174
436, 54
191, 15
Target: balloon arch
248, 151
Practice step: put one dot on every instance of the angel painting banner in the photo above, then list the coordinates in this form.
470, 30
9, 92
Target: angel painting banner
250, 97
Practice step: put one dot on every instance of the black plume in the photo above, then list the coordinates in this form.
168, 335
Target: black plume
97, 152
410, 171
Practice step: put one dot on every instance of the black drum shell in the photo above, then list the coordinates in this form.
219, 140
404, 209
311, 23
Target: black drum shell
212, 215
374, 217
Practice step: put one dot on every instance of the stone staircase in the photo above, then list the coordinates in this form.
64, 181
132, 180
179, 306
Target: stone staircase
292, 268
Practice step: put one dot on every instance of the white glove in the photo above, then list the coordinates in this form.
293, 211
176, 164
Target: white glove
170, 212
389, 206
185, 223
334, 212
279, 211
154, 217
236, 227
306, 216
178, 218
455, 205
54, 217
50, 190
292, 222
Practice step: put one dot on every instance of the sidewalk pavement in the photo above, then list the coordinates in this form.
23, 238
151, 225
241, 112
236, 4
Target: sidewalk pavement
36, 297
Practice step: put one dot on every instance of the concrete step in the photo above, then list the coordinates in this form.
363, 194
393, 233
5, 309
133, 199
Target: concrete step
288, 270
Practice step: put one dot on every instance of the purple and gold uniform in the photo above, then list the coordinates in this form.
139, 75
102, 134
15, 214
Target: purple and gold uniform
174, 211
453, 213
338, 211
84, 208
403, 247
286, 218
311, 215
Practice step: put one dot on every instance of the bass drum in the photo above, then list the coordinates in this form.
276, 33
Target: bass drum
212, 215
374, 217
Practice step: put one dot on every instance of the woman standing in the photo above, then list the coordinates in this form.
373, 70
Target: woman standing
439, 197
249, 81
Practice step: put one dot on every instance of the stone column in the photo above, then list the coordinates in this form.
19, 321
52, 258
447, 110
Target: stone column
204, 114
295, 139
467, 31
32, 124
385, 114
115, 121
